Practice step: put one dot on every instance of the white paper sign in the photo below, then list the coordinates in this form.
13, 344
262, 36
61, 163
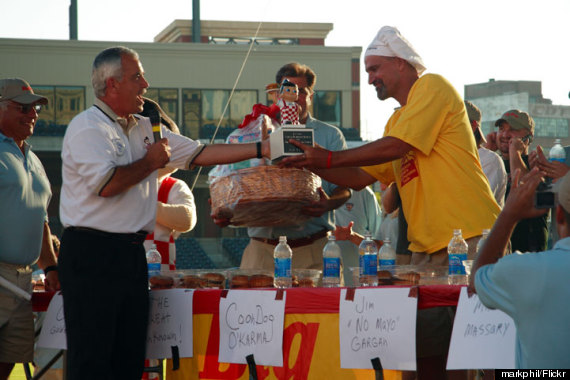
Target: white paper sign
53, 328
378, 323
481, 337
251, 322
170, 323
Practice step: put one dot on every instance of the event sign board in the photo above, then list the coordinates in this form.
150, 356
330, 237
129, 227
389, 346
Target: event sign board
170, 323
251, 323
53, 328
481, 337
378, 323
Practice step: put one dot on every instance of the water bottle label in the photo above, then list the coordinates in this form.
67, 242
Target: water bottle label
563, 160
153, 268
282, 267
456, 263
368, 265
387, 263
331, 267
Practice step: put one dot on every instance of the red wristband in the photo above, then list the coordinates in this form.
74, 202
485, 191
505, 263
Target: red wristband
329, 159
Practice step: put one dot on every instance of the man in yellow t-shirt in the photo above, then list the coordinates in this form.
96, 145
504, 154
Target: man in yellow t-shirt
429, 151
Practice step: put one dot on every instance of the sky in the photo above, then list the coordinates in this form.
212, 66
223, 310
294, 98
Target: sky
467, 42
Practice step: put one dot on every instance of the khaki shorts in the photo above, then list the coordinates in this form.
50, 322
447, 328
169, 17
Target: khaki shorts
258, 255
434, 325
16, 317
441, 258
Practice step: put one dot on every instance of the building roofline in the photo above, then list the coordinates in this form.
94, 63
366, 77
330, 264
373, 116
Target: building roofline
245, 29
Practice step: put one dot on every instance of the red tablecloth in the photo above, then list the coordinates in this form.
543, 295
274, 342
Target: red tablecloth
299, 300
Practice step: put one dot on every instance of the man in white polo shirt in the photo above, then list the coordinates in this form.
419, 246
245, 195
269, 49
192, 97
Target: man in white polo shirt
108, 203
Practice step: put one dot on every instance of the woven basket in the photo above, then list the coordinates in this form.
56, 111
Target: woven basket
264, 196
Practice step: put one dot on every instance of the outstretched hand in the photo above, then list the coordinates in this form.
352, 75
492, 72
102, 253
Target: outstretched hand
343, 233
312, 157
219, 220
318, 208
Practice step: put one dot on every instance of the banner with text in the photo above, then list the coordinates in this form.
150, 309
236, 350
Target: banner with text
251, 323
481, 337
170, 323
378, 323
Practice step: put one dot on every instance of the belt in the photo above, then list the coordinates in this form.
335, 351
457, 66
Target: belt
295, 243
135, 238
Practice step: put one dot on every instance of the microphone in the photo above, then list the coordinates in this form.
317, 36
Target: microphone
155, 121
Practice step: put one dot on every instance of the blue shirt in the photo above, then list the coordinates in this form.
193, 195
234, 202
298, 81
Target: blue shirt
331, 138
24, 197
534, 290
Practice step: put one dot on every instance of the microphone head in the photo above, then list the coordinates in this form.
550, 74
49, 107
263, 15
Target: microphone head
154, 117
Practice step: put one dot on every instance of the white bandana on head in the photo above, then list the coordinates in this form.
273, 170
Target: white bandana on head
390, 43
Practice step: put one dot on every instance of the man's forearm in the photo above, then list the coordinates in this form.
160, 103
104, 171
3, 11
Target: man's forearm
47, 255
354, 178
228, 153
338, 197
125, 177
376, 152
516, 162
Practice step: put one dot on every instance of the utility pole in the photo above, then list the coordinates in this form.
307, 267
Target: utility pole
73, 20
196, 32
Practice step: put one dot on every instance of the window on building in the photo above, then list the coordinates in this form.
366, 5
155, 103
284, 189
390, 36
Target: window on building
64, 102
550, 127
203, 110
327, 107
167, 98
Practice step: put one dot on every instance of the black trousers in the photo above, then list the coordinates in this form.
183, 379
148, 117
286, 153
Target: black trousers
105, 294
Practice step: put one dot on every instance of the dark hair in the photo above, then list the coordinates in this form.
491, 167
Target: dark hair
150, 105
295, 69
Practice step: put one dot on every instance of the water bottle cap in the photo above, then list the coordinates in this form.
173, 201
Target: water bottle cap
387, 241
486, 231
332, 237
153, 246
282, 239
457, 231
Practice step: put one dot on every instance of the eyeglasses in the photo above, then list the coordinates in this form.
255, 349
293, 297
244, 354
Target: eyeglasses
26, 108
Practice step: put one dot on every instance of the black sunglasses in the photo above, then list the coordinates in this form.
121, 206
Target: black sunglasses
26, 108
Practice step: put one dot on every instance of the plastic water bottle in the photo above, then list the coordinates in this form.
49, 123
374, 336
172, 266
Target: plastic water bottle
368, 260
482, 240
557, 152
153, 261
331, 263
457, 252
282, 257
387, 256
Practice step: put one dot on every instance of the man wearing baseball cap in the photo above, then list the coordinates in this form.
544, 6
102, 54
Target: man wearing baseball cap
25, 236
514, 135
492, 164
429, 151
532, 289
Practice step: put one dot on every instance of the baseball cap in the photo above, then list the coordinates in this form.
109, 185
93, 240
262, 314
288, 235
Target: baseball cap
474, 115
517, 119
390, 43
20, 91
